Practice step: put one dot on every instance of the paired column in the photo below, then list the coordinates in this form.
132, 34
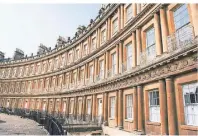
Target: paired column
94, 107
140, 108
164, 28
120, 109
135, 108
133, 49
105, 111
134, 9
120, 56
163, 109
84, 108
194, 14
107, 63
171, 107
138, 41
157, 34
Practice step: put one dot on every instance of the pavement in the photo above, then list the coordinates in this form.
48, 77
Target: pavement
15, 125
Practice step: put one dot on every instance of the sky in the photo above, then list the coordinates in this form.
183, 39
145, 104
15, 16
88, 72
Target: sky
25, 26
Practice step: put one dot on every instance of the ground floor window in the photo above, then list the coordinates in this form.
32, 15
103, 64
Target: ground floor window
154, 106
129, 106
190, 94
89, 106
112, 107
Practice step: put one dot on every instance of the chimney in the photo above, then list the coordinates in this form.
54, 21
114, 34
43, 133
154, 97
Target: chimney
18, 54
2, 55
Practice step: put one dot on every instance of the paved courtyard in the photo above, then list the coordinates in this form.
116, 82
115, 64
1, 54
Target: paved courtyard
14, 125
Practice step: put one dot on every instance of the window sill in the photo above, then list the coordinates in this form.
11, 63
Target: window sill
187, 127
114, 33
129, 20
128, 120
153, 123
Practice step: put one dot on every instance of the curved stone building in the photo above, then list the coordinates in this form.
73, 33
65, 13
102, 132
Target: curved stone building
134, 67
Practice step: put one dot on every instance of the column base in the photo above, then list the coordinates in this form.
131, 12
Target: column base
140, 132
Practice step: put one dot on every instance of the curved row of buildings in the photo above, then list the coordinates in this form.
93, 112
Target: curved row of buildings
134, 66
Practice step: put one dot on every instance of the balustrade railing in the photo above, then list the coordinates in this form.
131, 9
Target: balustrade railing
181, 39
148, 55
126, 67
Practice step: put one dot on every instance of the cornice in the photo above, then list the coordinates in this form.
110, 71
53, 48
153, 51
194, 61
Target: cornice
123, 34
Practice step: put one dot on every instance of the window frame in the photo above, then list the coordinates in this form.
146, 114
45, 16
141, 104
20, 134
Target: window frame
129, 106
154, 104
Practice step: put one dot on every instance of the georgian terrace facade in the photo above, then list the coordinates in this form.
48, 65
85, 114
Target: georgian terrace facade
134, 66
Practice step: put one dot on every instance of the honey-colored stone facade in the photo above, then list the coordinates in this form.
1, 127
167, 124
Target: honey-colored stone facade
82, 77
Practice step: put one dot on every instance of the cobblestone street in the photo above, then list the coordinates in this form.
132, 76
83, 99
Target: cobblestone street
14, 125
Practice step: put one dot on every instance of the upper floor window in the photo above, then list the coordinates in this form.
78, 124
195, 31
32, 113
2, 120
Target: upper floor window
154, 107
129, 56
115, 25
129, 106
74, 77
63, 60
81, 75
181, 16
93, 43
113, 57
77, 54
85, 49
190, 94
112, 107
70, 57
91, 72
150, 42
103, 36
128, 12
89, 106
101, 65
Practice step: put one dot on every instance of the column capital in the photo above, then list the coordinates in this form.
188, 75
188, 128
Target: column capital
168, 78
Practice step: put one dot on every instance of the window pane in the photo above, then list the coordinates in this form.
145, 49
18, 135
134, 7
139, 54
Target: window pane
181, 16
190, 103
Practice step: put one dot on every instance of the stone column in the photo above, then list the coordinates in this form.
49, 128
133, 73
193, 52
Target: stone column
95, 68
140, 108
122, 15
94, 107
171, 107
107, 63
164, 28
120, 109
163, 109
116, 109
138, 41
76, 107
120, 56
194, 14
135, 109
157, 34
68, 103
133, 49
105, 108
119, 19
134, 9
84, 108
